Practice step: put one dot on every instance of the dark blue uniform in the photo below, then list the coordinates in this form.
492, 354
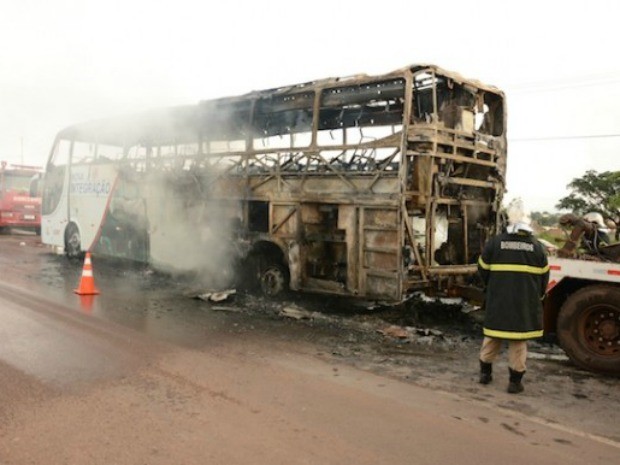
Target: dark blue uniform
515, 272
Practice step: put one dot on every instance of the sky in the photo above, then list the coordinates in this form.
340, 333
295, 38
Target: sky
67, 61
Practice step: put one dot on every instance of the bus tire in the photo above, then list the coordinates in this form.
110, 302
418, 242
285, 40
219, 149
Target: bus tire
589, 328
274, 279
73, 242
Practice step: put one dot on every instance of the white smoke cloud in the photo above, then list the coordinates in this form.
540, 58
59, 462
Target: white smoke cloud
190, 233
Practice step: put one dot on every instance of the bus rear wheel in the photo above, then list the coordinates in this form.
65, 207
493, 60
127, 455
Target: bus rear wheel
589, 328
73, 242
274, 279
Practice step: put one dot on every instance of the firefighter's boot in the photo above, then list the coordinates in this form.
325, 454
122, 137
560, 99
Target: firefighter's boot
486, 372
514, 385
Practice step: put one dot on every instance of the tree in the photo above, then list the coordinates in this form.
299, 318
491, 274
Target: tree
594, 192
545, 218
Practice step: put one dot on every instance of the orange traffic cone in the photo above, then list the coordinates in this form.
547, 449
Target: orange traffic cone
87, 283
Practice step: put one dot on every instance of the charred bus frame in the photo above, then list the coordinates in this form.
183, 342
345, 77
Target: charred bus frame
373, 186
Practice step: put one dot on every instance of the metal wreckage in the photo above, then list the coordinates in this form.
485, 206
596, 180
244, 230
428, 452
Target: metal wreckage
369, 186
375, 187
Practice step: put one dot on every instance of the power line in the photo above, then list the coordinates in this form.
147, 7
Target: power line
551, 85
559, 86
587, 136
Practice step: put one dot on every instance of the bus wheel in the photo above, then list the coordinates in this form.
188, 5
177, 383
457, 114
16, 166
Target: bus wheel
73, 242
274, 279
589, 328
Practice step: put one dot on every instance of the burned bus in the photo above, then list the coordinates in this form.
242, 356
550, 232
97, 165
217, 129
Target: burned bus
368, 186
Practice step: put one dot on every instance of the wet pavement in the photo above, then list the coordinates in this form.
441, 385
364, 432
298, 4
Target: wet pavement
433, 346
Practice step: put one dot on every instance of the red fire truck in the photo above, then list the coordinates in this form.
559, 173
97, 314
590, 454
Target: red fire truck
20, 202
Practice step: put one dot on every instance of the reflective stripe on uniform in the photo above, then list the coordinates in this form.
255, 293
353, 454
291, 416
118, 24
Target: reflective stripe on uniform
510, 267
512, 334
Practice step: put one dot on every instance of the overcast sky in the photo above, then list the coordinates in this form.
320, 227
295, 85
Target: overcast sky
65, 61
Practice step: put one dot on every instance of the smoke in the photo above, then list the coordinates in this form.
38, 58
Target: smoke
188, 231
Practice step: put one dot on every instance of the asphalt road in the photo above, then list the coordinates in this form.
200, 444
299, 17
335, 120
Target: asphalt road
130, 379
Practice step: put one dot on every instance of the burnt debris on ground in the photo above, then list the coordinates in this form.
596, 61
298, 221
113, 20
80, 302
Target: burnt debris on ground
419, 327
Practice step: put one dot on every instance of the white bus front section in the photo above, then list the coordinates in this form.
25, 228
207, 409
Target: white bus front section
86, 193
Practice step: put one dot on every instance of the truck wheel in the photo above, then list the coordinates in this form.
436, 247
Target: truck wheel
274, 279
73, 242
589, 328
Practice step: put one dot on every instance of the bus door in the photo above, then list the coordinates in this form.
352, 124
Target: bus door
55, 195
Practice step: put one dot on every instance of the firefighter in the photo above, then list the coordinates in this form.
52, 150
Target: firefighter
600, 232
515, 272
589, 232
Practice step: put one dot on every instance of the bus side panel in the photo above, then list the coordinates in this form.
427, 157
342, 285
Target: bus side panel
348, 221
90, 188
380, 253
124, 229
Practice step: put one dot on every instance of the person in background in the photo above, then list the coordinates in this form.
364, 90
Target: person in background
515, 272
600, 235
589, 234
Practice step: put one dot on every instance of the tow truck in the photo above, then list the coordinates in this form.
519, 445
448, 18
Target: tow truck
582, 304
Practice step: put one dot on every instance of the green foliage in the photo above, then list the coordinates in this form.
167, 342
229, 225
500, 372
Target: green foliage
555, 238
594, 192
545, 218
